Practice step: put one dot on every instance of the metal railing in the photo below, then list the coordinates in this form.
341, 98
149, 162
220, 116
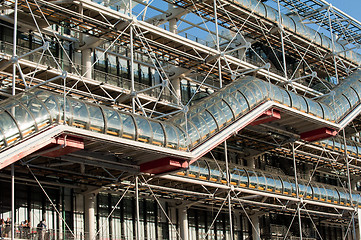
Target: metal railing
63, 65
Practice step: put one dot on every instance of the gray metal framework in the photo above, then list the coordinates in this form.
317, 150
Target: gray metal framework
274, 49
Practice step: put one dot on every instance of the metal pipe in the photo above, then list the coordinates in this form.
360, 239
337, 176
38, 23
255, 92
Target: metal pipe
137, 207
297, 190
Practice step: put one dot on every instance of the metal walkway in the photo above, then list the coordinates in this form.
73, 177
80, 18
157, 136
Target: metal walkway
34, 121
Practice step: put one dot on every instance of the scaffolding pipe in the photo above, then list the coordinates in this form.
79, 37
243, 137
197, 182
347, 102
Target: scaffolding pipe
297, 190
137, 207
349, 182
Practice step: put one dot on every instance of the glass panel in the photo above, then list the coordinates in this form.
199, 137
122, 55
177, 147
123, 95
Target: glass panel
351, 95
235, 105
9, 128
286, 98
201, 125
252, 100
314, 108
24, 120
211, 123
96, 118
158, 133
51, 104
287, 187
253, 181
193, 170
80, 114
295, 101
261, 181
303, 104
215, 171
204, 170
183, 143
242, 100
271, 184
278, 184
68, 112
37, 109
243, 177
114, 122
128, 126
277, 94
226, 110
171, 136
218, 115
143, 129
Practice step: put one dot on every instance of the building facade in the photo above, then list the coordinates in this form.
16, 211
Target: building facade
179, 120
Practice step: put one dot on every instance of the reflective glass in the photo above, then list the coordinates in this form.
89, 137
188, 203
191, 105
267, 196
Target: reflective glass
242, 100
226, 110
9, 128
183, 139
286, 98
351, 95
24, 120
158, 133
143, 129
114, 122
171, 135
314, 108
192, 131
252, 101
235, 105
37, 109
211, 123
253, 181
243, 177
51, 104
218, 115
68, 111
277, 94
201, 125
295, 101
204, 170
96, 118
80, 114
128, 126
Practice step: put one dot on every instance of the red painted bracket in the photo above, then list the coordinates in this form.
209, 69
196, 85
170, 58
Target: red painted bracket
62, 145
163, 165
318, 134
268, 116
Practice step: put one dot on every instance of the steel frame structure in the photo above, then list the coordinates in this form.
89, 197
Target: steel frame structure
159, 37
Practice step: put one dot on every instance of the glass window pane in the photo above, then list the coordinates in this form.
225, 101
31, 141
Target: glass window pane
242, 101
96, 118
128, 126
218, 115
212, 125
183, 139
158, 133
114, 122
201, 125
24, 120
171, 136
50, 103
37, 109
143, 129
9, 128
80, 114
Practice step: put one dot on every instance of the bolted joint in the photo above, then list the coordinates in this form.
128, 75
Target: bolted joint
64, 74
165, 83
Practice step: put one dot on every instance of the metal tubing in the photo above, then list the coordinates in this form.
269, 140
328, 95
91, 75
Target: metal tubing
297, 190
137, 207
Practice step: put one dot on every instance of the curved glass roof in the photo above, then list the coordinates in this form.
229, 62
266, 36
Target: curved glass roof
208, 170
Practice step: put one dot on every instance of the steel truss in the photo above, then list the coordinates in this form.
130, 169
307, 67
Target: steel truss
162, 40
